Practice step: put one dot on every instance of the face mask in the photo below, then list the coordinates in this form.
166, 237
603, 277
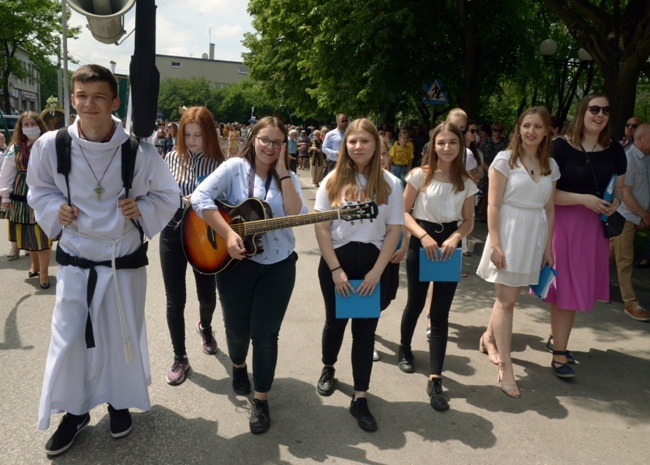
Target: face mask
32, 133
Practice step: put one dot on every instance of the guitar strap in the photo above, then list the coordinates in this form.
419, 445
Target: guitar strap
251, 182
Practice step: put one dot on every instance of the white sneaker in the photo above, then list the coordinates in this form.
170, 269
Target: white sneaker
375, 355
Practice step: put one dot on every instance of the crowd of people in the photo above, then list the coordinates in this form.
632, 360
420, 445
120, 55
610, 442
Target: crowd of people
542, 195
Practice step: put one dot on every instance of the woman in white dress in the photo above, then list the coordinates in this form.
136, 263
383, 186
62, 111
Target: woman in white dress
520, 225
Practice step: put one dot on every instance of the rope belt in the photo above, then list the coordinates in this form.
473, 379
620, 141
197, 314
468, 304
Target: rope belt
134, 260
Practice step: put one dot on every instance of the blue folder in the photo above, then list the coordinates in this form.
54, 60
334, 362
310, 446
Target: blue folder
440, 270
356, 306
546, 277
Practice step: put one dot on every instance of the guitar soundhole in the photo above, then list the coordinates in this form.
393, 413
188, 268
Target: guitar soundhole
211, 237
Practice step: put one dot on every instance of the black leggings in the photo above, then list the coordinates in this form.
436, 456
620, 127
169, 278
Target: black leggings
254, 300
443, 296
356, 259
174, 266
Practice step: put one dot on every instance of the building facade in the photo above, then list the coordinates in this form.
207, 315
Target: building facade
25, 94
220, 73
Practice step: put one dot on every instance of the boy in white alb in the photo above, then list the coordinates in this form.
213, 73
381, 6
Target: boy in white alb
98, 351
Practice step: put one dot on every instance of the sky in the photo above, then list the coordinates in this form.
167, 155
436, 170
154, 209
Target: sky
183, 28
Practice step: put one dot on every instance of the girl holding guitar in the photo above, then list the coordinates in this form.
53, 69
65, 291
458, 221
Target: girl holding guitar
197, 156
255, 294
356, 252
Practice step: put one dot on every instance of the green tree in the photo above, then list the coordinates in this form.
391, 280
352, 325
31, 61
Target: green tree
33, 26
236, 101
176, 93
374, 57
617, 35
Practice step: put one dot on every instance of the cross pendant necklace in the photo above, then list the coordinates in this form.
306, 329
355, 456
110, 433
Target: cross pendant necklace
99, 190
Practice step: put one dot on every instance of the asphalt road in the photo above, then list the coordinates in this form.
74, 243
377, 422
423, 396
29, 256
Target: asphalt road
603, 416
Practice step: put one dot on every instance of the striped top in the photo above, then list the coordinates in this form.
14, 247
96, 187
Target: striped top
197, 167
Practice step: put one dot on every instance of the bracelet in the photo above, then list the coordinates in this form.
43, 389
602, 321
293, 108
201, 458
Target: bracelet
285, 177
423, 236
334, 269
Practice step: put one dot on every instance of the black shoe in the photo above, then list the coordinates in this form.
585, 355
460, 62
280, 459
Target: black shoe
121, 422
437, 400
405, 360
359, 410
65, 434
240, 382
260, 419
325, 385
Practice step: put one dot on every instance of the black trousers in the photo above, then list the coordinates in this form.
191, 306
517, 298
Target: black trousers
174, 267
254, 299
356, 259
443, 296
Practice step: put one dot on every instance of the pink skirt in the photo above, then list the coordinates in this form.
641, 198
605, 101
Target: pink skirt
581, 253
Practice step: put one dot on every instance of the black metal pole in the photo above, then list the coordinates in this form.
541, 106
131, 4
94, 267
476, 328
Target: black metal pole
145, 78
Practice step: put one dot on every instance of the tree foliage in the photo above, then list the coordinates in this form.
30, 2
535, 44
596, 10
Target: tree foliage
374, 57
33, 26
617, 35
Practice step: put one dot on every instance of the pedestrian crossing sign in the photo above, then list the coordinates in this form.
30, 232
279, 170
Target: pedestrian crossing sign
435, 95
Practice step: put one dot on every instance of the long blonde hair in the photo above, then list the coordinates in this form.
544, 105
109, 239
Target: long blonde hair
342, 185
545, 148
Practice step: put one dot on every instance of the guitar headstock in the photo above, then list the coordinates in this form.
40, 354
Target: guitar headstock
360, 211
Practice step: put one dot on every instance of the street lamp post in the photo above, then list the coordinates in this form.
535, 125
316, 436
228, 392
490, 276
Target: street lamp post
567, 90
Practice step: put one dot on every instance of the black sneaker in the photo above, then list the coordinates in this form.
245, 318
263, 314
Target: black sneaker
405, 360
65, 434
359, 410
240, 382
325, 385
260, 419
121, 422
437, 400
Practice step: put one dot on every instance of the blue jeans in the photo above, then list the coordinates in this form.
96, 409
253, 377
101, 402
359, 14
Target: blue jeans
400, 171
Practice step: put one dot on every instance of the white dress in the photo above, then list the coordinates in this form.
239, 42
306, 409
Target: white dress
116, 370
523, 227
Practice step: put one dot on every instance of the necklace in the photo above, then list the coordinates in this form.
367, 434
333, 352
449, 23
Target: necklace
99, 190
593, 148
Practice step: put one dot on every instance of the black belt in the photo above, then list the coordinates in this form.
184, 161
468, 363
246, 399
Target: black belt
18, 198
134, 260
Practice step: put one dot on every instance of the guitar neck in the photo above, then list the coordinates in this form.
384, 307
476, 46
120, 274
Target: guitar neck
271, 224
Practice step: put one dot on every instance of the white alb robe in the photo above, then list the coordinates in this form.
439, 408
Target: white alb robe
77, 378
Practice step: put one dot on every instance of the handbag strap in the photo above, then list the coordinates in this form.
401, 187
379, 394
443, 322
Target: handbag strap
593, 171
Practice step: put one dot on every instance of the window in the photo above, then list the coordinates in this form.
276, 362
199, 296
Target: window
242, 70
176, 64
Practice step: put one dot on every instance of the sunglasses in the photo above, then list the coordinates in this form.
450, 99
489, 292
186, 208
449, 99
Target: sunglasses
473, 131
595, 109
497, 130
631, 125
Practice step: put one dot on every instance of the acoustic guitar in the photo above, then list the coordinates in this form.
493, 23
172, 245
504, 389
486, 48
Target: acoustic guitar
207, 252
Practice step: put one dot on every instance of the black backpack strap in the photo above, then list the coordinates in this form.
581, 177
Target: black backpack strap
129, 153
63, 145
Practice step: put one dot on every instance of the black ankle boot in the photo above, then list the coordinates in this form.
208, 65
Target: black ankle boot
260, 419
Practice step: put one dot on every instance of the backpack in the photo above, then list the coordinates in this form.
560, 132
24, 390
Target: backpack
64, 163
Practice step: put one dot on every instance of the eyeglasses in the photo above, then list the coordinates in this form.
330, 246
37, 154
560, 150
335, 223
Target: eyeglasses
497, 130
595, 109
265, 141
631, 125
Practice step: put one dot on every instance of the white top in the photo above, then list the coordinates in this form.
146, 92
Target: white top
229, 182
513, 194
470, 161
438, 203
366, 231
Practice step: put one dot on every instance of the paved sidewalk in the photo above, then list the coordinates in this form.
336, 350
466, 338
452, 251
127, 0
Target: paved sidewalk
601, 417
